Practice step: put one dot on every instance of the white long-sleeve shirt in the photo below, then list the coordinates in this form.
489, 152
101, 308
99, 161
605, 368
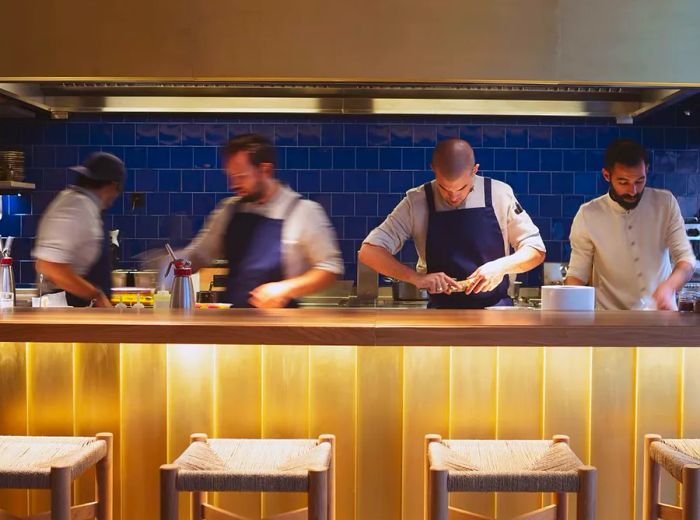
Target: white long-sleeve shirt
627, 254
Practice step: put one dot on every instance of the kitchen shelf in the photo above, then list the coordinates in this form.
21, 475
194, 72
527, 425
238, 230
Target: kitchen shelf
14, 187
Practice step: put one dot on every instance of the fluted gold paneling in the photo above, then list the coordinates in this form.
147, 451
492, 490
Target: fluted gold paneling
378, 401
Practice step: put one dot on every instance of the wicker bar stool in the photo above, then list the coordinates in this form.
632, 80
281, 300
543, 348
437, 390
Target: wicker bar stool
681, 458
506, 466
287, 465
54, 463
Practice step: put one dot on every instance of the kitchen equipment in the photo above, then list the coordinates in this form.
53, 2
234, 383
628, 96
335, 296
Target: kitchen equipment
8, 294
554, 273
404, 291
11, 165
692, 230
568, 298
367, 282
130, 278
131, 295
183, 296
161, 300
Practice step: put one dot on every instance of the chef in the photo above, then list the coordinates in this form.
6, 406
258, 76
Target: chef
463, 226
72, 249
630, 244
279, 246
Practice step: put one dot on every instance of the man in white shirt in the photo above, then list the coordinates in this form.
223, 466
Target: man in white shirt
71, 248
279, 246
630, 244
464, 227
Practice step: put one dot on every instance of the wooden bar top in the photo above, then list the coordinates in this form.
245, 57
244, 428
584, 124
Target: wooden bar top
367, 327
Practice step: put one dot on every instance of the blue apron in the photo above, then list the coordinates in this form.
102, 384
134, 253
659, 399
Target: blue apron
458, 242
99, 274
253, 247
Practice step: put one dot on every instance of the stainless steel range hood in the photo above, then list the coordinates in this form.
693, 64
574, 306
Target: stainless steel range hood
63, 98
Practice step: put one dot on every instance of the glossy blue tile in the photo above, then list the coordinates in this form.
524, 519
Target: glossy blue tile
606, 134
551, 160
677, 184
550, 205
561, 228
390, 158
367, 158
540, 183
342, 204
653, 137
472, 134
562, 183
286, 135
355, 181
413, 159
562, 137
158, 203
288, 177
181, 157
124, 134
585, 183
494, 136
401, 181
343, 158
158, 157
355, 135
43, 156
485, 159
100, 134
55, 133
145, 180
204, 157
355, 227
506, 159
136, 157
66, 156
378, 135
516, 137
237, 129
424, 135
78, 133
421, 177
325, 200
379, 181
54, 179
595, 160
664, 161
331, 180
676, 138
170, 228
146, 134
181, 203
193, 180
298, 158
145, 227
654, 180
366, 204
332, 135
530, 203
554, 251
686, 162
387, 203
518, 181
309, 135
540, 137
193, 135
545, 227
571, 205
401, 135
447, 132
630, 132
215, 181
585, 137
203, 203
309, 181
169, 134
215, 134
528, 160
574, 160
267, 130
321, 157
169, 180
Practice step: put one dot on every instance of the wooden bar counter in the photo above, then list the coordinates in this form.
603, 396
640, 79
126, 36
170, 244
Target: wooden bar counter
379, 379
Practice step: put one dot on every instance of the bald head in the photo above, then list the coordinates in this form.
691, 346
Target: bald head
452, 157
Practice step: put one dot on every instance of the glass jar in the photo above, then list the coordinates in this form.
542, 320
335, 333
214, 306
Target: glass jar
687, 296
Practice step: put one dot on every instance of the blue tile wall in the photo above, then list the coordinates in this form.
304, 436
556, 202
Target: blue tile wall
357, 168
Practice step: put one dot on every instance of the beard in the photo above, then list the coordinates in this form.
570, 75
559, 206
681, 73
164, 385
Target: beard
256, 194
628, 202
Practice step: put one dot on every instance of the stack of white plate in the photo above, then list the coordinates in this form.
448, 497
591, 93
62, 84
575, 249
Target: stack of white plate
11, 165
568, 298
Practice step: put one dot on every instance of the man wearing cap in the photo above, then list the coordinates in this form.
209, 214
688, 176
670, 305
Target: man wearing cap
72, 248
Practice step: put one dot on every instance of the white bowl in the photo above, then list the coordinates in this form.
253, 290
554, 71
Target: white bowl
568, 298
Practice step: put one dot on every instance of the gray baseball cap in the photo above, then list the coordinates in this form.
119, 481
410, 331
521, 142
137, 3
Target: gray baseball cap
102, 166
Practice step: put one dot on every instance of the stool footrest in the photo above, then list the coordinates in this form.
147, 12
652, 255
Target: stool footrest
669, 512
460, 514
215, 513
546, 513
80, 512
298, 514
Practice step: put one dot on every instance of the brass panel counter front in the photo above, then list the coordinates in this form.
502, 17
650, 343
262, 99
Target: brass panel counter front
379, 400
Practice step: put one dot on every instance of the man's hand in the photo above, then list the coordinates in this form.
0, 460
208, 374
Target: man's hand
664, 296
437, 283
485, 278
273, 295
101, 300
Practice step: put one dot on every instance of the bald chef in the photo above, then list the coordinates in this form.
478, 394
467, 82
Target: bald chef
464, 226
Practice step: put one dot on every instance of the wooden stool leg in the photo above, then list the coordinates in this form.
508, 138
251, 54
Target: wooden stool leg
439, 497
691, 492
652, 481
105, 480
168, 492
331, 475
430, 438
561, 499
197, 498
318, 494
585, 498
60, 478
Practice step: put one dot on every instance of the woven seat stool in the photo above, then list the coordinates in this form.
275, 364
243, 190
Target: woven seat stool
506, 466
53, 463
681, 459
279, 465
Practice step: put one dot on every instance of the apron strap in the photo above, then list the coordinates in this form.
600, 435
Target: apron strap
488, 201
430, 199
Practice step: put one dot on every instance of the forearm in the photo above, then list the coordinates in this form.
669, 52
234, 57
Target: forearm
63, 276
682, 273
572, 280
310, 282
523, 260
384, 262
